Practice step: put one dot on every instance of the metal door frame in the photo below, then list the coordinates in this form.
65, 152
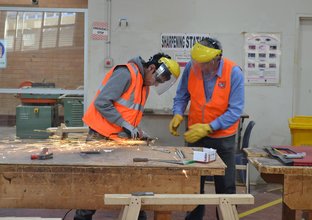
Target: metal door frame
296, 73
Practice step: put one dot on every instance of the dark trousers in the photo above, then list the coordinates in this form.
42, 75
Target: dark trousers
223, 184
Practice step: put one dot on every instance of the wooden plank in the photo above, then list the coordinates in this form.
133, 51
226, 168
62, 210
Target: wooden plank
178, 199
226, 202
298, 191
255, 152
86, 189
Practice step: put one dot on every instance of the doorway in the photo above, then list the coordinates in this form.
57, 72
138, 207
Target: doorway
303, 74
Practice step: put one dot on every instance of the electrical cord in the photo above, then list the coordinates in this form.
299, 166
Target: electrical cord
66, 214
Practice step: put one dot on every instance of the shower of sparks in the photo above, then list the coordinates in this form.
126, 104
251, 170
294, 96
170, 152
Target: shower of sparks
70, 144
185, 173
176, 158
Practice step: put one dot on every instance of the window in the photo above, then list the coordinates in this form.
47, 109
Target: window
26, 31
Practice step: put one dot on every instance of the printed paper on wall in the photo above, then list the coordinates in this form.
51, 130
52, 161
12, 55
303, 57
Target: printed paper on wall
262, 58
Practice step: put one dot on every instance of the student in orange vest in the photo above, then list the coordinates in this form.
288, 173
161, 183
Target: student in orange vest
214, 86
117, 109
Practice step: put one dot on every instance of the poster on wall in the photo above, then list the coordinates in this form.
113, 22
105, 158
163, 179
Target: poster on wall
179, 45
262, 58
99, 30
3, 60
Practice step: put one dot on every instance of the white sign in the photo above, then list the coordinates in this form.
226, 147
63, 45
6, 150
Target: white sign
3, 60
99, 30
262, 58
181, 41
182, 58
180, 45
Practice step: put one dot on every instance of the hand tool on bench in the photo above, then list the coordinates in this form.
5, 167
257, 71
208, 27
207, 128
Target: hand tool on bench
180, 162
43, 155
161, 149
180, 153
276, 153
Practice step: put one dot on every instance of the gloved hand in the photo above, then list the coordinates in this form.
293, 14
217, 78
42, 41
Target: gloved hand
145, 136
174, 124
133, 132
196, 132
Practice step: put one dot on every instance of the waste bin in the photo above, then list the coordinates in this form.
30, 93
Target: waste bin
301, 130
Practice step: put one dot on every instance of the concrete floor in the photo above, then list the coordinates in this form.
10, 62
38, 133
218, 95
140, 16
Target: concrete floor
263, 195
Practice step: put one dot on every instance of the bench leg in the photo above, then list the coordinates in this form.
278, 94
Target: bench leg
131, 211
228, 211
123, 212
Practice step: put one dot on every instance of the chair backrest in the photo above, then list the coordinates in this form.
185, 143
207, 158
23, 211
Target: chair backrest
247, 134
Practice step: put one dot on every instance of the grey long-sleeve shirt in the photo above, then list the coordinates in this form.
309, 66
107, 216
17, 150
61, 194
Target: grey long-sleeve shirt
117, 84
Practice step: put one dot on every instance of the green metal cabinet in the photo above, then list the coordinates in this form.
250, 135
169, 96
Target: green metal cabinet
32, 120
73, 111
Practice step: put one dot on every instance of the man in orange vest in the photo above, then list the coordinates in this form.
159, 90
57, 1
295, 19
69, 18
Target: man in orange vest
215, 88
117, 109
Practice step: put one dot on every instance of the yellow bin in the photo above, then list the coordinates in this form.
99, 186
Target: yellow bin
301, 130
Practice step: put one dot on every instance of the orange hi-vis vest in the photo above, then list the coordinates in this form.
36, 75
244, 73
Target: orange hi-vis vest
130, 105
202, 111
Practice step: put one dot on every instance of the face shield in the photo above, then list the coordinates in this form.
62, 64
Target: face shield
166, 75
203, 59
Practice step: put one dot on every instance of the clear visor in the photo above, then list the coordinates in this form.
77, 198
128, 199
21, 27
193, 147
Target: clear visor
205, 69
198, 68
196, 65
164, 79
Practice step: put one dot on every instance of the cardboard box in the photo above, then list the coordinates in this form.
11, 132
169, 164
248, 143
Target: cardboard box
205, 156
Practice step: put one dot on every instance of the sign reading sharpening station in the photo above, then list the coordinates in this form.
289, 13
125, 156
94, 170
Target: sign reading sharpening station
182, 41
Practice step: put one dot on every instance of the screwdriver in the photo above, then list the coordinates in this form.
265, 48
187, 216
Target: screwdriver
181, 162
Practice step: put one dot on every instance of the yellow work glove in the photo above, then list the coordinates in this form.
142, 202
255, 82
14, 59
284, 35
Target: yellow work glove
174, 124
196, 132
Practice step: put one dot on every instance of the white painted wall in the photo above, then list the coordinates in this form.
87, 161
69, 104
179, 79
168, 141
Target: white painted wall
269, 106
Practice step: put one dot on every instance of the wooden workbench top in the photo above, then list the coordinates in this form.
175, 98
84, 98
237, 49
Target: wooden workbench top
72, 180
264, 164
67, 153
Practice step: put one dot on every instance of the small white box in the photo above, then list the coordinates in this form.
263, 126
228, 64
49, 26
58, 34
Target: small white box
207, 155
211, 153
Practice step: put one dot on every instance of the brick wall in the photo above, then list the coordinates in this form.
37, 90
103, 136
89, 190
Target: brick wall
62, 65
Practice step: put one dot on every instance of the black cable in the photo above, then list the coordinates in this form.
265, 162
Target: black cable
66, 214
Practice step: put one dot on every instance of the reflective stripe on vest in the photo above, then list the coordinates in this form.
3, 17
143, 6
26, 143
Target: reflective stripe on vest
202, 111
130, 105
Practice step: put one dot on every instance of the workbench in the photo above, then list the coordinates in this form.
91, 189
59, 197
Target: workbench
296, 181
72, 180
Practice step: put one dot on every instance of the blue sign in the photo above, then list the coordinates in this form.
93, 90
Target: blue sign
2, 54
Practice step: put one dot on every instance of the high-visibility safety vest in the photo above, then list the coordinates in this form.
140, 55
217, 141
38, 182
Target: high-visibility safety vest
202, 111
130, 105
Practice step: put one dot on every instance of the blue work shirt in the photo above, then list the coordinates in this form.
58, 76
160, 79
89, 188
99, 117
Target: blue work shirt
236, 99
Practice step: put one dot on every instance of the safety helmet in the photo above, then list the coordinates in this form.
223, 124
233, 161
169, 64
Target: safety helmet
203, 54
166, 74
